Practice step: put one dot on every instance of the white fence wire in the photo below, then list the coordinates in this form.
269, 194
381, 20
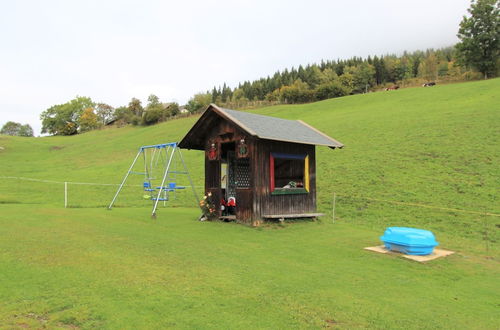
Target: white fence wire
81, 194
68, 183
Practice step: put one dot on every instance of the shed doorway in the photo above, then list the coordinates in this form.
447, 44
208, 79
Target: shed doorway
228, 177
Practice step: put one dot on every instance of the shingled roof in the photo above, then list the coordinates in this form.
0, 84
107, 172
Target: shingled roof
263, 127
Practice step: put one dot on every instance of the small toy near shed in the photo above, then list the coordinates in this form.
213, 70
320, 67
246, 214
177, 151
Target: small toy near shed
264, 166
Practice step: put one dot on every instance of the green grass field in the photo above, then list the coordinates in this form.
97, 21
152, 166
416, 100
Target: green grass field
86, 267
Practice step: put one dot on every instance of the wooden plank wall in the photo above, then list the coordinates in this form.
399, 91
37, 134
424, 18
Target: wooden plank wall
225, 132
264, 202
256, 201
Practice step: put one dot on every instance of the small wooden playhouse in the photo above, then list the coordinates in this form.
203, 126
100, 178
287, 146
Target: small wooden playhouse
268, 164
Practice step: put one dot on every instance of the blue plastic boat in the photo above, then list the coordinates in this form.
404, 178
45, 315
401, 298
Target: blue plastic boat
411, 241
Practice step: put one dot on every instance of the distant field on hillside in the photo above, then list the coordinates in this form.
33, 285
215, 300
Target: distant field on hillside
420, 157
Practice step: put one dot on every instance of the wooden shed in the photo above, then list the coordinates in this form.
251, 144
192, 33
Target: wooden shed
267, 164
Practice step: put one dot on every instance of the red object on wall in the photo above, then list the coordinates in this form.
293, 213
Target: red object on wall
212, 152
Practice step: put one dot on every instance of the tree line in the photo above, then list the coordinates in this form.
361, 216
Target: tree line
475, 56
82, 115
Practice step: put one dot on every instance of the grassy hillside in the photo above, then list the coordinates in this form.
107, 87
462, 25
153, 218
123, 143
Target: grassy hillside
435, 146
86, 267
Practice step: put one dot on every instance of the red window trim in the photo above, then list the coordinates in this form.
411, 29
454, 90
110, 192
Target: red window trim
271, 172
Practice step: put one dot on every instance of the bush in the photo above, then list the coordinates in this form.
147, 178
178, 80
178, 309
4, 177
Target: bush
331, 90
152, 116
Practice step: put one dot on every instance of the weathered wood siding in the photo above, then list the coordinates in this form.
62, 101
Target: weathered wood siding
257, 200
264, 203
225, 132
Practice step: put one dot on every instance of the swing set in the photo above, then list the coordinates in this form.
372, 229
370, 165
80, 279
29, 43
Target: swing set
161, 161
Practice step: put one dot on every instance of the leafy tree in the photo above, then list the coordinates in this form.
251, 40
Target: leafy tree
89, 120
135, 106
274, 96
298, 92
347, 80
443, 69
328, 75
199, 102
26, 130
63, 119
173, 109
331, 90
479, 37
238, 94
104, 112
402, 69
152, 116
153, 100
123, 115
314, 76
362, 76
11, 128
154, 111
16, 129
136, 109
428, 68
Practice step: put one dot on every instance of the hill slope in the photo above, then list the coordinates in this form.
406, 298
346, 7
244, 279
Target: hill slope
90, 268
435, 146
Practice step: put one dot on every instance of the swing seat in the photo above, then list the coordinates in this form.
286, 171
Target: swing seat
165, 188
171, 187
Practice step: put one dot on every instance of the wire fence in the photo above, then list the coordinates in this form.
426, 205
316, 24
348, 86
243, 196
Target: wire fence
86, 197
367, 211
86, 194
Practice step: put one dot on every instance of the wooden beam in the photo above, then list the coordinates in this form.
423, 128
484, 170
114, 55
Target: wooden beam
292, 216
337, 143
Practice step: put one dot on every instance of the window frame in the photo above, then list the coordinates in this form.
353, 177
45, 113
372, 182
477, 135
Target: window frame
288, 191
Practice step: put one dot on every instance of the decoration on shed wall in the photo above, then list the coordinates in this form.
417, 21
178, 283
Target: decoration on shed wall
242, 149
213, 153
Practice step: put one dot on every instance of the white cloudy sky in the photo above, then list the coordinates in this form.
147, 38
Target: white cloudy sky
110, 50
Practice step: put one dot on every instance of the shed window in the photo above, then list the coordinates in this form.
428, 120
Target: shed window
243, 173
289, 173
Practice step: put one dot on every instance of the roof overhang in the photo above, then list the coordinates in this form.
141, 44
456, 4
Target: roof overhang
196, 137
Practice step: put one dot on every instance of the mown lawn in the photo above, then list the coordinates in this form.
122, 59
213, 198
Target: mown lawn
91, 268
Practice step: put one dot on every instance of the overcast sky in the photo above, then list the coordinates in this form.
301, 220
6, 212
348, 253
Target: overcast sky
111, 51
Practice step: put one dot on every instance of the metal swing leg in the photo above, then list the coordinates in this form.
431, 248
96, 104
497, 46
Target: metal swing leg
125, 179
162, 186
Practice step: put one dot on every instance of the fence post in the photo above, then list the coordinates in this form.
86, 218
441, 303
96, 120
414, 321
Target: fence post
333, 208
65, 194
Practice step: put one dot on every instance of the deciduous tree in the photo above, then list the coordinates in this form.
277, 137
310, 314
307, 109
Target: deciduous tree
479, 37
63, 119
89, 120
16, 129
198, 102
104, 112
